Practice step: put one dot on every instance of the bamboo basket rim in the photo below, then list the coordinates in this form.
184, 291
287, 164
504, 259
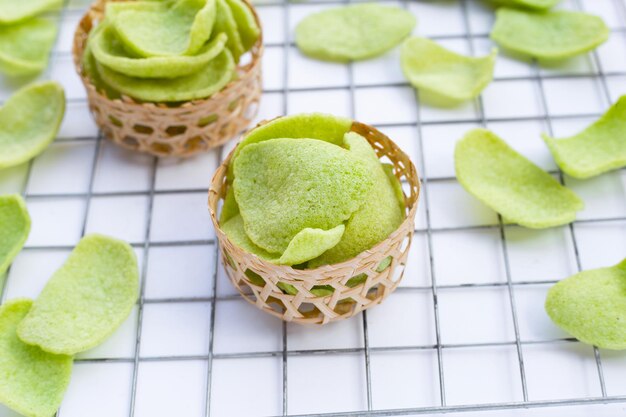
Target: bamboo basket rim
289, 274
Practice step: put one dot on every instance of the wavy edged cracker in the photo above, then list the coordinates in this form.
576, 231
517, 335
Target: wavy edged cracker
247, 27
442, 76
25, 46
529, 4
284, 186
599, 148
86, 300
379, 215
554, 35
203, 84
225, 23
510, 184
29, 121
354, 32
313, 126
14, 228
12, 11
306, 245
109, 51
179, 28
32, 382
591, 306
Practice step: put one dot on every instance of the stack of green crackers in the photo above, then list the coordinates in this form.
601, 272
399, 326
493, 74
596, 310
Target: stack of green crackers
25, 37
305, 191
169, 50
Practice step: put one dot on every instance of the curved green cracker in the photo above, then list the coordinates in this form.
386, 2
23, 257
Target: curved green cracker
230, 208
284, 186
235, 231
179, 29
29, 121
529, 4
312, 126
510, 184
32, 382
309, 244
110, 52
247, 27
442, 76
225, 23
306, 245
203, 84
591, 306
86, 300
551, 36
377, 218
25, 46
14, 228
353, 32
12, 11
599, 148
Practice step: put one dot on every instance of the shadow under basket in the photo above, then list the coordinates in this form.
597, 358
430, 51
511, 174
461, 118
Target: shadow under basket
331, 292
165, 129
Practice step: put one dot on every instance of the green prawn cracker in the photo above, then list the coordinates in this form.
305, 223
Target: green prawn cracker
549, 36
86, 300
598, 149
591, 306
14, 228
32, 382
510, 184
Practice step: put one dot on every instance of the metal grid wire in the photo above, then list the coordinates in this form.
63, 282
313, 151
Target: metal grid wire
600, 76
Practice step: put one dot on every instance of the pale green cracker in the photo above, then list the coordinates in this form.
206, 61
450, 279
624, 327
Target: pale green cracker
203, 84
591, 306
599, 148
109, 51
247, 27
444, 77
86, 300
353, 32
25, 46
29, 121
179, 28
510, 184
379, 215
540, 5
554, 35
12, 11
14, 228
32, 382
225, 22
283, 186
314, 126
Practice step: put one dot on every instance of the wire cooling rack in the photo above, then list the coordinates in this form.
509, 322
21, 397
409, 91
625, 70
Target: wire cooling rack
466, 330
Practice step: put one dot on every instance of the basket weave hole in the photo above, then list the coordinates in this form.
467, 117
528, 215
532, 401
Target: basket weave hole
251, 110
233, 105
276, 305
194, 144
207, 120
229, 260
309, 310
176, 130
397, 273
117, 122
345, 307
405, 244
143, 129
254, 278
129, 141
161, 148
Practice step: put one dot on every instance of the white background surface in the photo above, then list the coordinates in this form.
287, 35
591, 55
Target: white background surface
82, 184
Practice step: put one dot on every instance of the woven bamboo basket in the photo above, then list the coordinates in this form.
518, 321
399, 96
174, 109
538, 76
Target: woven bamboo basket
173, 130
246, 270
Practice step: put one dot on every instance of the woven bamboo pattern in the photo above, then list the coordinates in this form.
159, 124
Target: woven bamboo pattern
165, 130
345, 301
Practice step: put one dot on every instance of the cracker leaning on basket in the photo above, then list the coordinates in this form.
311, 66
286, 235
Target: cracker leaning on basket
312, 217
170, 78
